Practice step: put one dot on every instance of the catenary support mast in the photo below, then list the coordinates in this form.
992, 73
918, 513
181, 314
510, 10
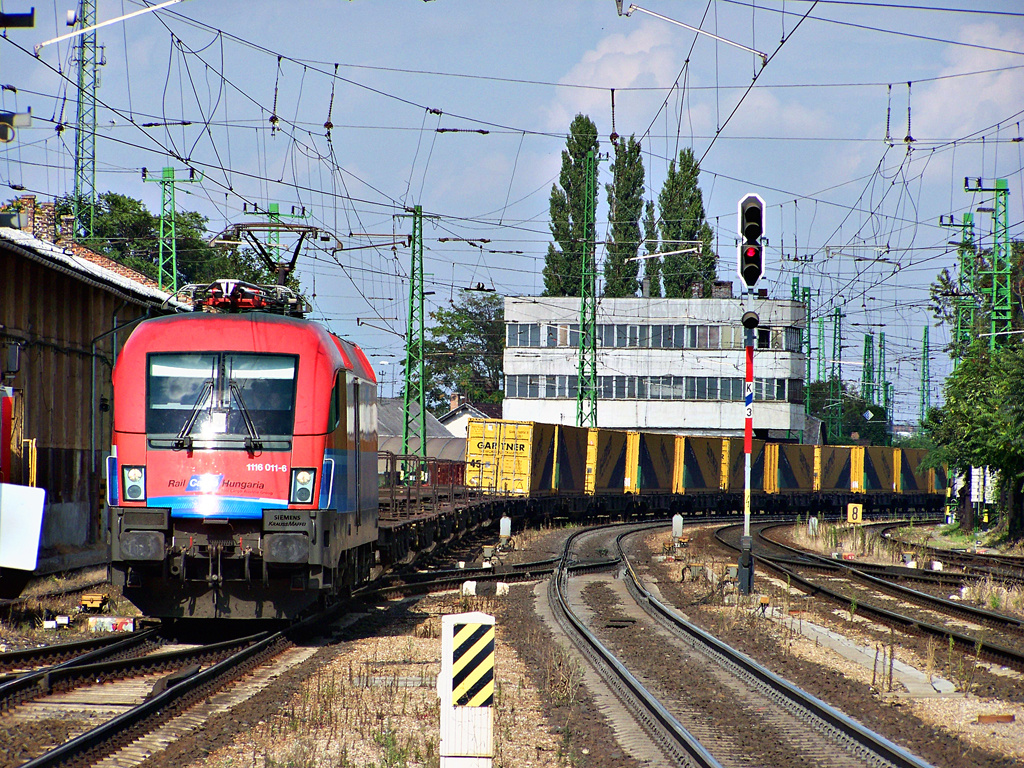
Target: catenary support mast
586, 398
414, 385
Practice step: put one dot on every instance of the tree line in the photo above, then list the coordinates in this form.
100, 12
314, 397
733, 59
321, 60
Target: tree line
674, 240
981, 420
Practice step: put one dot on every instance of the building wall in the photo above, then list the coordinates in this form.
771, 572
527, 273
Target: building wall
662, 364
55, 319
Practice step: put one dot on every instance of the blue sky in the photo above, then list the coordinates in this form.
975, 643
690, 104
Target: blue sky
853, 215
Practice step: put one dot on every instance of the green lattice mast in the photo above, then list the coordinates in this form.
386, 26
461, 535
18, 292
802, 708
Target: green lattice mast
167, 274
414, 341
965, 303
84, 201
834, 408
883, 386
926, 376
803, 295
998, 291
867, 375
822, 368
586, 398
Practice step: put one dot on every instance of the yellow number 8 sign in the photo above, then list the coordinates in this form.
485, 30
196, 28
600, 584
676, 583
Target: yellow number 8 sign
855, 513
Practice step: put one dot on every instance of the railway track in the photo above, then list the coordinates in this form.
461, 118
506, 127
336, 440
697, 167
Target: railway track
1002, 567
690, 735
15, 663
927, 615
123, 710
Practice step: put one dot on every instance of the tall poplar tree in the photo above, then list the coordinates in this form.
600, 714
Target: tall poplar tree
626, 206
652, 265
563, 265
683, 222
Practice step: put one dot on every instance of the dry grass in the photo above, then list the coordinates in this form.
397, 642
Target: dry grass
995, 595
376, 705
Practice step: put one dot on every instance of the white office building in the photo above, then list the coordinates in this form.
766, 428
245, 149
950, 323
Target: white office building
674, 365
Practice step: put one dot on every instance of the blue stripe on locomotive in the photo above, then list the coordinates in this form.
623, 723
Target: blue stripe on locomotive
209, 505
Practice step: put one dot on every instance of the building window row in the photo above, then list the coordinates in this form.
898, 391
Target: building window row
651, 336
528, 386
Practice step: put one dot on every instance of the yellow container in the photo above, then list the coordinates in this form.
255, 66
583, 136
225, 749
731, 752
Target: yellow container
513, 457
606, 462
700, 463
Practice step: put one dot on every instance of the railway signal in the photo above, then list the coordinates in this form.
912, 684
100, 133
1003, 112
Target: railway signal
751, 226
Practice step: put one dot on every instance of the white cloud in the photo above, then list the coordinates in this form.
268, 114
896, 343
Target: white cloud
955, 107
647, 57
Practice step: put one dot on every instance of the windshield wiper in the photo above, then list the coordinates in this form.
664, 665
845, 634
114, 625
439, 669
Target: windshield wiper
253, 441
184, 439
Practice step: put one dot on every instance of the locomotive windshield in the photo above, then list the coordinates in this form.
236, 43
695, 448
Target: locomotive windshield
220, 400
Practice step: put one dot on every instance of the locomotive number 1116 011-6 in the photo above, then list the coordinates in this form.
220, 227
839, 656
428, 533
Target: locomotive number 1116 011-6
267, 467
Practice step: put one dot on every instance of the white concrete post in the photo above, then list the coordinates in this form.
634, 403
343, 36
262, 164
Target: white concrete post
466, 689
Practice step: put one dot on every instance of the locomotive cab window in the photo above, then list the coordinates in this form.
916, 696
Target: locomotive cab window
220, 399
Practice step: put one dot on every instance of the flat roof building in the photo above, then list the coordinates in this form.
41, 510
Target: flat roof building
673, 365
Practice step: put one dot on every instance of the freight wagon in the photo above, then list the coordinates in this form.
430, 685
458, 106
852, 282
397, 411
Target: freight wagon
568, 468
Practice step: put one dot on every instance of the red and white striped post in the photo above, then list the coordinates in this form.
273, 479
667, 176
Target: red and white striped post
746, 564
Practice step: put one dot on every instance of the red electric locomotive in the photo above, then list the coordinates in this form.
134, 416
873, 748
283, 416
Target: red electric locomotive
242, 479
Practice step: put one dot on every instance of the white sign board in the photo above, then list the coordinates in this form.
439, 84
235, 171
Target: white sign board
21, 524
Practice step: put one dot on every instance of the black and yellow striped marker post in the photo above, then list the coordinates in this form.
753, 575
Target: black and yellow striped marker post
466, 690
473, 665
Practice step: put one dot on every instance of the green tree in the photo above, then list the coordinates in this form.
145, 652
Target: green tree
683, 223
982, 420
626, 206
652, 265
875, 430
463, 351
563, 265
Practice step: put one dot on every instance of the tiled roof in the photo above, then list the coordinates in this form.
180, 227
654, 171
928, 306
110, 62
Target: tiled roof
92, 265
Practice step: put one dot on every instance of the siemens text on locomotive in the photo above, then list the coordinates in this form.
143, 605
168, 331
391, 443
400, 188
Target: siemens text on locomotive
243, 473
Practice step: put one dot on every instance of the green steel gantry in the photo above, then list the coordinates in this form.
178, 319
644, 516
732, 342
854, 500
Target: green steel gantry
867, 374
834, 406
803, 295
998, 290
414, 373
84, 201
926, 376
965, 303
586, 397
167, 274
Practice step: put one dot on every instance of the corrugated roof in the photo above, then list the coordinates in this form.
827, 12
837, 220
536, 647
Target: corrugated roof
391, 419
451, 447
92, 267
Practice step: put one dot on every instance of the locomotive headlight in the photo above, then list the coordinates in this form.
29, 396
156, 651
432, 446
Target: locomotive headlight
134, 483
302, 486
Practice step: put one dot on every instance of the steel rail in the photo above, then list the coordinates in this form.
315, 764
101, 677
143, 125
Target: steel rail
15, 689
874, 743
992, 651
660, 723
180, 694
1008, 567
52, 679
14, 659
979, 615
